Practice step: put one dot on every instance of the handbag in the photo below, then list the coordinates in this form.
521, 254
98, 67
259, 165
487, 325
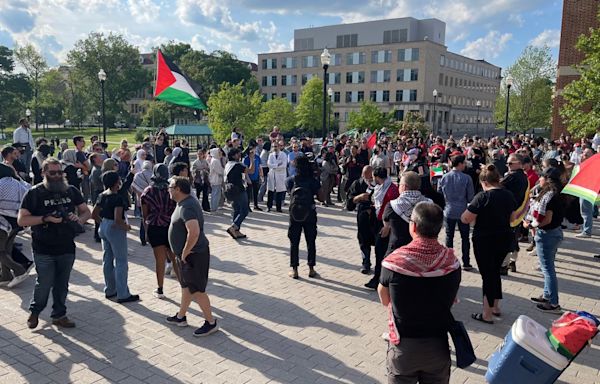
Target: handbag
465, 355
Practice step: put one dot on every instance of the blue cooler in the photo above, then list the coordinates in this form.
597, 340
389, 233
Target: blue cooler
526, 356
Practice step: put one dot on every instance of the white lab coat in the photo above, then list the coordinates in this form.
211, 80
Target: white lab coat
277, 164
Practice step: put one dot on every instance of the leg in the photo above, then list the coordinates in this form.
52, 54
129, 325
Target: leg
62, 273
171, 259
242, 210
205, 203
587, 212
546, 248
204, 302
45, 268
198, 188
119, 247
142, 232
249, 192
381, 245
160, 256
255, 188
465, 242
108, 267
186, 300
450, 225
263, 186
279, 197
214, 197
294, 233
8, 263
310, 233
270, 199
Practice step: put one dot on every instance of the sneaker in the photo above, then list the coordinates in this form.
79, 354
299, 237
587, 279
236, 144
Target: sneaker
385, 336
312, 273
258, 209
372, 284
540, 299
467, 267
17, 280
531, 247
583, 235
129, 299
158, 293
63, 322
596, 256
549, 308
180, 322
32, 321
206, 329
168, 269
512, 266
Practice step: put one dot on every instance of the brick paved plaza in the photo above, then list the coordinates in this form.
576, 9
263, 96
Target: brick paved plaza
273, 329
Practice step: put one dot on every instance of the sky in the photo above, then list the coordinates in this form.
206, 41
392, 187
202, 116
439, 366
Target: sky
494, 30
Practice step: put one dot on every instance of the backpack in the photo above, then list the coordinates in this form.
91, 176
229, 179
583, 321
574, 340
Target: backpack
301, 203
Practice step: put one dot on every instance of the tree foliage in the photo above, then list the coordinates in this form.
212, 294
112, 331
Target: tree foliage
531, 92
35, 66
581, 110
276, 112
369, 117
15, 90
309, 112
233, 107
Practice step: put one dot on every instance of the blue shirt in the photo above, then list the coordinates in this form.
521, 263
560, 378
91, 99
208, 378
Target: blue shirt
291, 157
256, 175
457, 189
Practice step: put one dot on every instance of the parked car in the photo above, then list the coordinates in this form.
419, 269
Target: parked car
121, 124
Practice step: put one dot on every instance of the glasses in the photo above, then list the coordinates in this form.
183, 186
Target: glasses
512, 162
55, 173
172, 186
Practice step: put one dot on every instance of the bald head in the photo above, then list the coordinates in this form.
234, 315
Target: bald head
367, 172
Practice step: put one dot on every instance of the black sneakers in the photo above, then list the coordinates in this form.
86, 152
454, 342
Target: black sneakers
177, 321
206, 329
539, 300
130, 299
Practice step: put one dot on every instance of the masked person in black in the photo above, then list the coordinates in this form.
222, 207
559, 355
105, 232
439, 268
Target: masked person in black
54, 210
359, 198
303, 214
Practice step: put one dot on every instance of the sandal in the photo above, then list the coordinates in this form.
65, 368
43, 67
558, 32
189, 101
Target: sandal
497, 314
479, 317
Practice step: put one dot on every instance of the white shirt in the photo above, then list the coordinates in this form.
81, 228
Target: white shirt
596, 141
23, 135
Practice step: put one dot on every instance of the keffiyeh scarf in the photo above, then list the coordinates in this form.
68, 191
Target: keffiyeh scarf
379, 193
405, 203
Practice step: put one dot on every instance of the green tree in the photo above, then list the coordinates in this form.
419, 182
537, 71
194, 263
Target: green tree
309, 112
232, 107
581, 111
53, 97
159, 112
35, 66
531, 92
15, 90
276, 112
174, 50
121, 62
368, 117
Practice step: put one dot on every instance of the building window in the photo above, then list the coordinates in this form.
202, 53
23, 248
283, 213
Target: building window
305, 78
284, 80
395, 36
304, 44
413, 95
446, 81
284, 95
379, 57
414, 74
346, 41
355, 58
373, 95
309, 61
288, 62
336, 97
442, 60
334, 78
386, 96
348, 97
264, 81
294, 98
264, 63
400, 75
415, 54
399, 94
273, 64
336, 116
336, 59
361, 96
273, 81
373, 76
441, 79
348, 77
399, 114
273, 96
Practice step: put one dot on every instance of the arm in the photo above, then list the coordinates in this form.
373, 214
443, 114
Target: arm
468, 217
470, 189
547, 218
83, 213
119, 222
96, 214
26, 219
193, 232
384, 295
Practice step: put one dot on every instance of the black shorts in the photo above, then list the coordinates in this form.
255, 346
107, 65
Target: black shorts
194, 272
158, 236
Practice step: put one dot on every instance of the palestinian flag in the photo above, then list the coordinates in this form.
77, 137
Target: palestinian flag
436, 171
585, 182
173, 86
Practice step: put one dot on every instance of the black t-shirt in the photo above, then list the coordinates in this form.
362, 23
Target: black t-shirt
516, 182
399, 234
108, 202
50, 238
425, 312
309, 183
557, 206
493, 209
234, 176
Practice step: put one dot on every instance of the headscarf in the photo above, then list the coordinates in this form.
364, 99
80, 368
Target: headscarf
109, 165
214, 153
177, 151
42, 153
142, 179
160, 177
69, 157
138, 164
380, 192
405, 203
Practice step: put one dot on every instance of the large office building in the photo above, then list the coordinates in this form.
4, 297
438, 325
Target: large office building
396, 63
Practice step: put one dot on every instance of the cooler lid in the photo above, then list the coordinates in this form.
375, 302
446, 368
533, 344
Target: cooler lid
531, 336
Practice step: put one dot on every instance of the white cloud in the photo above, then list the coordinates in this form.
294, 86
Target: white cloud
143, 11
517, 19
488, 47
549, 37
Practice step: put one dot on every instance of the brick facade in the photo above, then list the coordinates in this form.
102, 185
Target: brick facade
577, 18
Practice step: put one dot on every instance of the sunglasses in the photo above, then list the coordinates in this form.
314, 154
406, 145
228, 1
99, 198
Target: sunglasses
55, 173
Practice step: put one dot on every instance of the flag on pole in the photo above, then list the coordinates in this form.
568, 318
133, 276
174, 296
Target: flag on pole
585, 182
372, 140
436, 170
173, 86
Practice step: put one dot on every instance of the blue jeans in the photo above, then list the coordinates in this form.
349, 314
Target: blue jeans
215, 197
546, 245
240, 209
114, 261
53, 272
464, 229
587, 212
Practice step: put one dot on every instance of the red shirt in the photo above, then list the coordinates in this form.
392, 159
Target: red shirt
532, 176
391, 194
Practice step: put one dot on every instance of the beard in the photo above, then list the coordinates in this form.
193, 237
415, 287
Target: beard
59, 185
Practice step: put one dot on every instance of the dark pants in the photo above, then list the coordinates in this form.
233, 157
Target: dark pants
142, 231
489, 253
53, 272
310, 234
278, 196
204, 189
381, 245
240, 209
365, 223
424, 361
252, 191
6, 260
464, 229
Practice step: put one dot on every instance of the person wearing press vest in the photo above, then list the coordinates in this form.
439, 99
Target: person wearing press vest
303, 214
54, 210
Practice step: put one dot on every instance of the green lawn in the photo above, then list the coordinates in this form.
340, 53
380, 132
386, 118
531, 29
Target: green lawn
113, 135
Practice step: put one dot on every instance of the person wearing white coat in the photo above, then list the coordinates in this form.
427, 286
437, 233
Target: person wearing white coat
215, 177
277, 164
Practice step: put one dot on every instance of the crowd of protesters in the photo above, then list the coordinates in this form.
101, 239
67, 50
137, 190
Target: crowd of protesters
508, 189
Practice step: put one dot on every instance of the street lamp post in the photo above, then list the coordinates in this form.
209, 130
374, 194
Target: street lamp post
102, 78
325, 60
509, 83
44, 123
433, 119
98, 121
28, 113
478, 104
329, 93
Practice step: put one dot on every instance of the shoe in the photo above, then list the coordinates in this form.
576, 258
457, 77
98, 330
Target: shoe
206, 329
158, 293
540, 299
110, 296
173, 274
583, 235
479, 317
268, 209
467, 267
232, 232
312, 272
365, 270
258, 209
293, 273
129, 299
32, 321
17, 280
63, 322
249, 210
372, 284
168, 269
279, 210
503, 271
180, 322
512, 266
549, 308
97, 240
385, 336
531, 247
239, 235
144, 243
596, 256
